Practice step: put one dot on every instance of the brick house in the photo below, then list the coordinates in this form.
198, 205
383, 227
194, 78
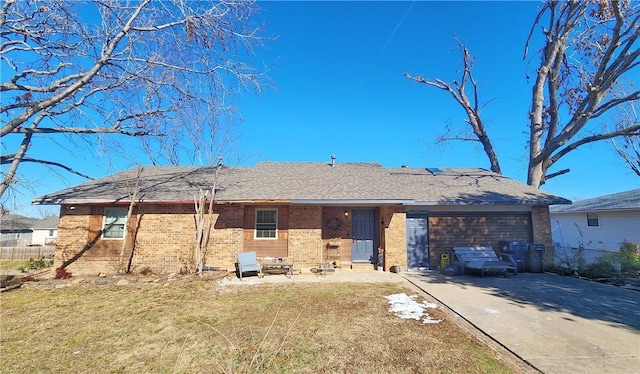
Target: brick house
305, 212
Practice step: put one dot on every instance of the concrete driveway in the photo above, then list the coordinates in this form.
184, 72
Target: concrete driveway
555, 323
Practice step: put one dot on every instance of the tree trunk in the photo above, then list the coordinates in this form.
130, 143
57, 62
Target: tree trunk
535, 175
125, 239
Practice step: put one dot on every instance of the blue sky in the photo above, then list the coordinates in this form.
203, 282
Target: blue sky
338, 67
341, 89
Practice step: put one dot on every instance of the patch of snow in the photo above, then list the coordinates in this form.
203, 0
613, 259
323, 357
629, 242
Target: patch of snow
407, 307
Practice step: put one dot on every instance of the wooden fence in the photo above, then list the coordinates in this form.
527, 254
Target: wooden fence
26, 252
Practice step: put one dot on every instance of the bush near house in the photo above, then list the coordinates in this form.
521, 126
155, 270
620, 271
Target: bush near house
621, 267
36, 265
25, 266
625, 262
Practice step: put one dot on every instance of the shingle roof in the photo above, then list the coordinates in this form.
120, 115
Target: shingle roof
627, 200
45, 224
16, 222
299, 182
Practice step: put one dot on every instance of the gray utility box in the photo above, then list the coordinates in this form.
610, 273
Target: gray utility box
535, 257
518, 250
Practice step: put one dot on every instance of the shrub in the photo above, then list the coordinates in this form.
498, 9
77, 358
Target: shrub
625, 261
629, 257
570, 258
35, 265
599, 269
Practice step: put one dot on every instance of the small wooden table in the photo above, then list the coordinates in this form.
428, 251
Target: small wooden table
270, 266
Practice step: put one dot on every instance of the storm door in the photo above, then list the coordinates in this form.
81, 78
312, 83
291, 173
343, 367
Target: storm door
418, 243
363, 230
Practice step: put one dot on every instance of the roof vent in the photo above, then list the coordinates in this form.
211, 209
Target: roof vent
333, 160
434, 171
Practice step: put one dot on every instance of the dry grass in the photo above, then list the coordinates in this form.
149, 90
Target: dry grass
203, 327
6, 266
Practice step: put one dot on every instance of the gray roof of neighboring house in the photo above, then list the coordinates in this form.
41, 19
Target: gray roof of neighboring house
45, 224
15, 222
305, 182
627, 200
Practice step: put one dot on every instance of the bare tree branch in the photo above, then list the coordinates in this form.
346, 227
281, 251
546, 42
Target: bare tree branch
459, 92
557, 173
80, 130
628, 131
588, 49
630, 153
134, 68
6, 159
606, 35
629, 147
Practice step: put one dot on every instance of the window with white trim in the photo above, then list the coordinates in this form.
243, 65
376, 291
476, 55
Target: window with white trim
266, 224
592, 220
113, 223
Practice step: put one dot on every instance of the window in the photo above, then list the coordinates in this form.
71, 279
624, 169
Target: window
592, 220
266, 224
113, 224
50, 233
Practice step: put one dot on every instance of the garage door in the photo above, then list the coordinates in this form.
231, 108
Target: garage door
447, 230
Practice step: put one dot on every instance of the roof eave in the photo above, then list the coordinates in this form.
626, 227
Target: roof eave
487, 203
149, 201
352, 201
586, 210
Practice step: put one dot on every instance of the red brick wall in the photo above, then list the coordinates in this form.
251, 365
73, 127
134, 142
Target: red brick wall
336, 245
542, 232
72, 235
227, 237
305, 237
393, 238
164, 240
447, 231
165, 235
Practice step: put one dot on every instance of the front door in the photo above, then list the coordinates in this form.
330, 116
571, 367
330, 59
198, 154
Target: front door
363, 232
417, 243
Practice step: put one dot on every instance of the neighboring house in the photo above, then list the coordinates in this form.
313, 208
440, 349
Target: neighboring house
15, 230
598, 225
45, 231
305, 212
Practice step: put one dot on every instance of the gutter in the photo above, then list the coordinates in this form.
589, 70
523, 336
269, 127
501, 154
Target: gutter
142, 201
351, 201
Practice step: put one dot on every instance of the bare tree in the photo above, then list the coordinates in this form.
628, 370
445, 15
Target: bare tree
204, 220
134, 190
628, 147
629, 150
588, 49
138, 68
471, 106
47, 212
